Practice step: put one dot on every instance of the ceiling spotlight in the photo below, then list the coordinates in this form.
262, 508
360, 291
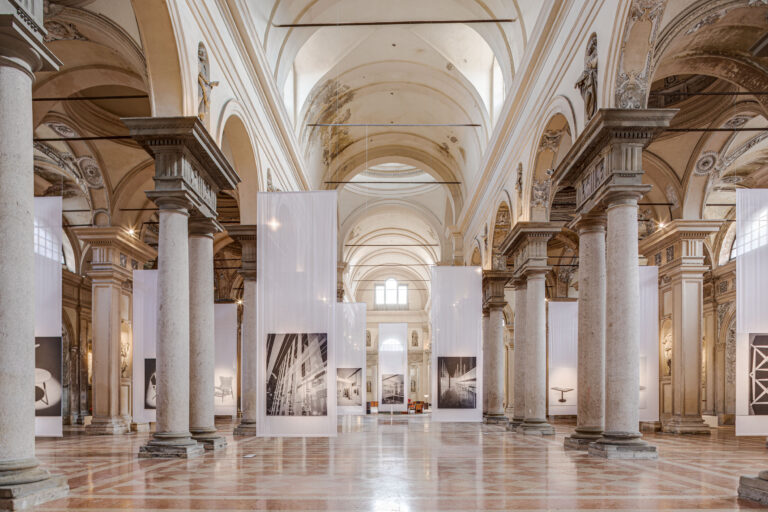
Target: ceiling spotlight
662, 225
131, 231
239, 302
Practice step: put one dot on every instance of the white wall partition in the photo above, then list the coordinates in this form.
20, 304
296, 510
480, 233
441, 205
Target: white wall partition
563, 341
350, 358
393, 367
225, 371
648, 404
751, 250
49, 379
296, 323
144, 345
457, 355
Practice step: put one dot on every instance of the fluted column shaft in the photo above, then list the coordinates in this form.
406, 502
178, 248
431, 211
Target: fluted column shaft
591, 333
622, 438
202, 346
521, 298
535, 421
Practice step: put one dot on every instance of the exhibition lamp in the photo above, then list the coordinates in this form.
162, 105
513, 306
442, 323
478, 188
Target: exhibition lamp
131, 231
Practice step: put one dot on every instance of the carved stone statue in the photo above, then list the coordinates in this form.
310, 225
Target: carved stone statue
587, 82
367, 338
204, 83
666, 346
414, 339
541, 192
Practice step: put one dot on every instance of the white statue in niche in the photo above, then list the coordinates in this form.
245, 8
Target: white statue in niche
666, 346
204, 83
414, 339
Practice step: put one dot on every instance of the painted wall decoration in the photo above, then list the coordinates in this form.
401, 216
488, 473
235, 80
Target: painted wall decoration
48, 383
297, 374
392, 388
349, 386
150, 383
457, 382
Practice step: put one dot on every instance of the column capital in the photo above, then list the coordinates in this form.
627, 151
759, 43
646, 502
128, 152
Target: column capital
246, 235
594, 222
527, 244
494, 282
189, 166
115, 253
203, 226
679, 244
609, 153
21, 37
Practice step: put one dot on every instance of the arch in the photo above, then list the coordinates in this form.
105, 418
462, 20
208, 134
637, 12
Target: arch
502, 225
237, 145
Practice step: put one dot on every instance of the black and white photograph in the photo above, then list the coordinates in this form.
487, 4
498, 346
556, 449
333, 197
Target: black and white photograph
457, 382
349, 383
48, 383
758, 374
392, 388
297, 374
150, 383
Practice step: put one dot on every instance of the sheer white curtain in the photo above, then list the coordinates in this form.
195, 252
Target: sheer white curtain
350, 357
456, 341
225, 381
393, 366
751, 250
144, 340
563, 339
648, 404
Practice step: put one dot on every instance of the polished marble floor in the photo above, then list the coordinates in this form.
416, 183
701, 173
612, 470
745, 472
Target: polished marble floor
403, 463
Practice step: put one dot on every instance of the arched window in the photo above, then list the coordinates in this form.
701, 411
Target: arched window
391, 294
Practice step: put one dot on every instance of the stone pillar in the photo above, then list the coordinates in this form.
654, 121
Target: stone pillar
710, 340
485, 328
509, 371
246, 235
590, 417
202, 346
22, 52
622, 438
521, 293
190, 170
494, 351
114, 254
527, 243
535, 421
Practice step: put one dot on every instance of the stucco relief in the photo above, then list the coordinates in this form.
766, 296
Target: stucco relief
587, 82
730, 354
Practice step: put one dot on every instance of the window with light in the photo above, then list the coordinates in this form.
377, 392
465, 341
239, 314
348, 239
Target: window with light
391, 293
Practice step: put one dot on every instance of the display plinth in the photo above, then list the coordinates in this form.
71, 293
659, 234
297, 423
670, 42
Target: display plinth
26, 495
682, 425
634, 448
754, 488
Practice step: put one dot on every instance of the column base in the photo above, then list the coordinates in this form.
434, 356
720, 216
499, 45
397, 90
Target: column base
514, 423
245, 429
107, 426
495, 419
24, 485
582, 437
622, 446
754, 488
681, 425
168, 445
209, 439
536, 427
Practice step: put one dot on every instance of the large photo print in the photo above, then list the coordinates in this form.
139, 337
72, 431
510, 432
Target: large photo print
393, 389
48, 383
297, 374
456, 382
349, 383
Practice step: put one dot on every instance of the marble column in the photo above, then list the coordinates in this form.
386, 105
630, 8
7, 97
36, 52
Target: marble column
519, 356
23, 483
485, 328
494, 378
172, 437
246, 235
535, 421
202, 335
590, 408
622, 438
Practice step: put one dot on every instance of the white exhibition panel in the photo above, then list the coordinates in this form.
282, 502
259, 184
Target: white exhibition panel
563, 341
393, 366
225, 371
648, 404
296, 322
457, 355
751, 249
144, 344
350, 358
49, 380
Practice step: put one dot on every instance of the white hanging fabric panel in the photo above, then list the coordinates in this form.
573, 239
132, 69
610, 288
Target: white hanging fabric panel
563, 341
225, 370
751, 251
350, 358
295, 304
648, 404
144, 345
49, 377
457, 355
393, 367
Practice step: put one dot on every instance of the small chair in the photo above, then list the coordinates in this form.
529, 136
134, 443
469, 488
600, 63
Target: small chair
225, 388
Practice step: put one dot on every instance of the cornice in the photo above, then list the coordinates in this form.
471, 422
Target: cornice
525, 231
677, 230
118, 238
